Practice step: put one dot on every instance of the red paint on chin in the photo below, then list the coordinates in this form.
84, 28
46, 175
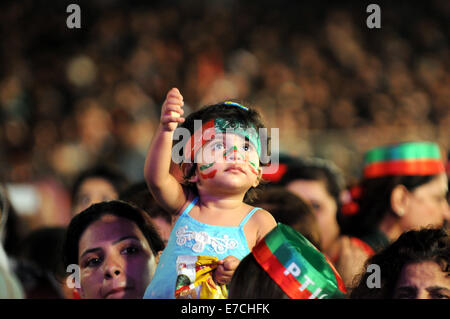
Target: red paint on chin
209, 175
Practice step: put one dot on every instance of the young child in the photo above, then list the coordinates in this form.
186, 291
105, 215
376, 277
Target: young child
220, 167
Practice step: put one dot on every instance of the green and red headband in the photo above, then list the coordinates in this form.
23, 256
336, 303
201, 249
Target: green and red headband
216, 126
405, 159
300, 270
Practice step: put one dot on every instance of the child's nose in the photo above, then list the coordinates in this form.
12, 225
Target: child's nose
232, 154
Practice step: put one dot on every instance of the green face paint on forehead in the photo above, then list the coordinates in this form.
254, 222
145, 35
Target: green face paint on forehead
249, 133
208, 131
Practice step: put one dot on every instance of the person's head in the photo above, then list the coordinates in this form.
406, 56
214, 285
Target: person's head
115, 246
320, 183
404, 184
39, 263
223, 151
139, 195
289, 209
285, 265
97, 184
415, 266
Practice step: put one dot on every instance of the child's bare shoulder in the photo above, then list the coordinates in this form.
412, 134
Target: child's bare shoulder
261, 223
263, 219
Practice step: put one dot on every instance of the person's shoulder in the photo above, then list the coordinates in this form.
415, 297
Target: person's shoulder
264, 218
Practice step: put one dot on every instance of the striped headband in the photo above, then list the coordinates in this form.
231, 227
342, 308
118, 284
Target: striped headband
300, 270
405, 159
209, 130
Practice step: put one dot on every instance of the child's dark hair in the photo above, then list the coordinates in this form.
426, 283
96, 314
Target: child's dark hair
233, 112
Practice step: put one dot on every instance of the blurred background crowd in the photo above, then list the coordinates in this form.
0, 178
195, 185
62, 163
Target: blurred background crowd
72, 98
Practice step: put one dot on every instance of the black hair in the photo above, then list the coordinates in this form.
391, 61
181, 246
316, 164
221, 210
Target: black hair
289, 209
38, 263
427, 244
248, 117
251, 281
43, 247
139, 195
81, 222
109, 173
374, 202
316, 169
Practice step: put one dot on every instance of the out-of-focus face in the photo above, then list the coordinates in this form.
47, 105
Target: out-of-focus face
93, 190
428, 205
115, 259
423, 280
324, 206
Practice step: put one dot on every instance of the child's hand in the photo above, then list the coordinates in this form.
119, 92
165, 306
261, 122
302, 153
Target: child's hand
224, 272
171, 110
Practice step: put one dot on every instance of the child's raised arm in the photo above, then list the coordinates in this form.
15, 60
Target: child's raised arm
164, 186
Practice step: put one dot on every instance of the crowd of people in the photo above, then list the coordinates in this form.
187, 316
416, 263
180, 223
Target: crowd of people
88, 126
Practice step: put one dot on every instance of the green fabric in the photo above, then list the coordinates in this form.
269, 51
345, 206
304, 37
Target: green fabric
404, 151
290, 246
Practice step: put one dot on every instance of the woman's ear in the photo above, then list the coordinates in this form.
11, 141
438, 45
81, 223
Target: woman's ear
399, 200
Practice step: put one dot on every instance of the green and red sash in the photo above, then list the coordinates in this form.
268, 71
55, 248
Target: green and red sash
301, 270
412, 158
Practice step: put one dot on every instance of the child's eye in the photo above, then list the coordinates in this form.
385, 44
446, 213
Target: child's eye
247, 147
218, 146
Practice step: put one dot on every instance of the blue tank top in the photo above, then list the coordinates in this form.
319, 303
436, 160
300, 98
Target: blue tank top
193, 238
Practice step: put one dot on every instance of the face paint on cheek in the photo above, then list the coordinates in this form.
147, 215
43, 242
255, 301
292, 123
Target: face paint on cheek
209, 175
206, 166
253, 168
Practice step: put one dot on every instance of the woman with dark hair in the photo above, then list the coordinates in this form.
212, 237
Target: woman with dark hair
416, 266
404, 187
115, 246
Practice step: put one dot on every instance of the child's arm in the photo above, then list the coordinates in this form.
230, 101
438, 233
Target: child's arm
263, 223
163, 185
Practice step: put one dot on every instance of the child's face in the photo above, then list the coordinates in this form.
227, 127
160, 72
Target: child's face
230, 160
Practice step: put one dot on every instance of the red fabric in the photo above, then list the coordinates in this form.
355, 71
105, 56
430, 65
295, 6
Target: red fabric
408, 167
275, 177
275, 270
358, 242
